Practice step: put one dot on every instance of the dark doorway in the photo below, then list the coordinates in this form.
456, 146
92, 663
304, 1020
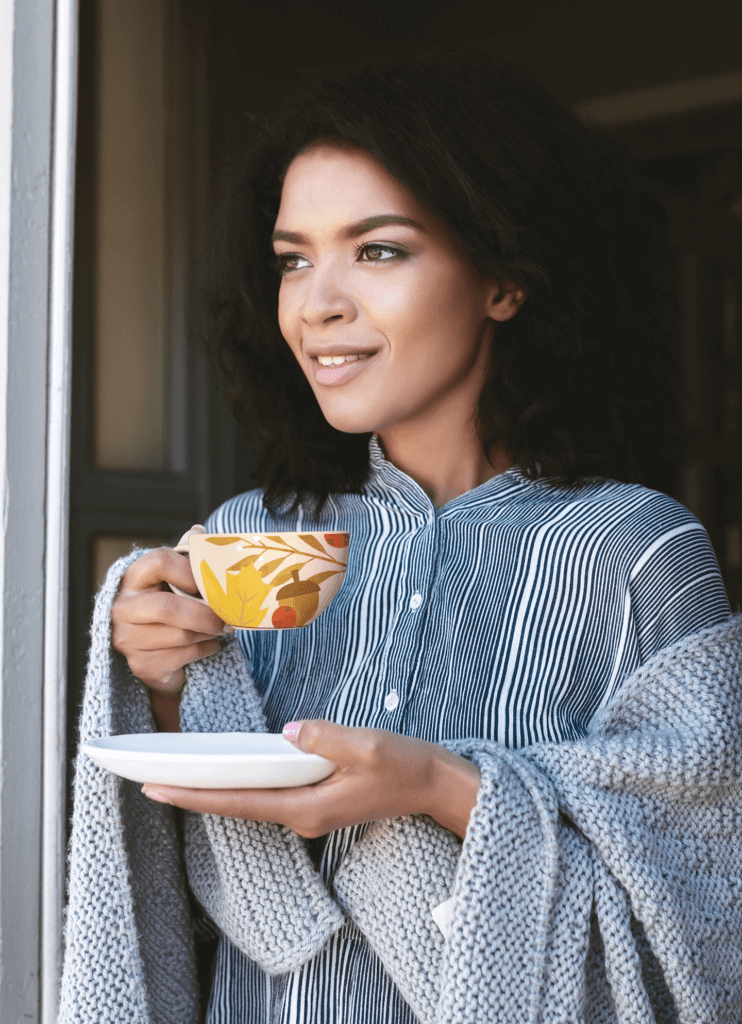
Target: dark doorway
163, 87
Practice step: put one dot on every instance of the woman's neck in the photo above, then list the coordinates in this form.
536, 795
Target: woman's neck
444, 461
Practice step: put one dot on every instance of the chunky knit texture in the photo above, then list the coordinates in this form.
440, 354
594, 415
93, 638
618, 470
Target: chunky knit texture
130, 946
237, 869
599, 881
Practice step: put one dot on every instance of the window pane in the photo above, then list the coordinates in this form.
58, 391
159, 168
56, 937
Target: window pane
129, 380
106, 548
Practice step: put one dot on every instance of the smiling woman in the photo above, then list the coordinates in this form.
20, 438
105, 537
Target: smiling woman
434, 310
492, 175
392, 303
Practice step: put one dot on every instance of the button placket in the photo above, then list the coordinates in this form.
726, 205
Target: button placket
426, 618
414, 580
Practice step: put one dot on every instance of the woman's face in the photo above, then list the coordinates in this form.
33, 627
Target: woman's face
384, 312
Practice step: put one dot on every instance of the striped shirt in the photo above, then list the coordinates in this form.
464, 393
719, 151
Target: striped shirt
512, 613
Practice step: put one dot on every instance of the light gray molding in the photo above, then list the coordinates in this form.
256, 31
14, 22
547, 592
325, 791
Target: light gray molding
664, 100
59, 360
26, 91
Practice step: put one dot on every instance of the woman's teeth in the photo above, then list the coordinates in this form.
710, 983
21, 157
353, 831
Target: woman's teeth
338, 360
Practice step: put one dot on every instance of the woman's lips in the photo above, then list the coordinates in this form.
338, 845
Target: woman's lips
343, 373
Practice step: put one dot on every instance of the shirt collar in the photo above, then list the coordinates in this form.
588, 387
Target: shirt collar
385, 476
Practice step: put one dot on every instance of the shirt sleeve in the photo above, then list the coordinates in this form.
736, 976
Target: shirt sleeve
676, 587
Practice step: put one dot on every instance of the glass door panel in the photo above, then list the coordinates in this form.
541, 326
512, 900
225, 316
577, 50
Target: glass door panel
106, 548
130, 243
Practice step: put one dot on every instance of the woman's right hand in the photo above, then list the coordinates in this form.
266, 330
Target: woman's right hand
159, 632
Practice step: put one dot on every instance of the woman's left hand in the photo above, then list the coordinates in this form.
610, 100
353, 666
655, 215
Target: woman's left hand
379, 775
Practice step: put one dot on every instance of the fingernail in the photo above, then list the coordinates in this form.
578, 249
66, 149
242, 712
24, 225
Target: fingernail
291, 731
227, 629
155, 794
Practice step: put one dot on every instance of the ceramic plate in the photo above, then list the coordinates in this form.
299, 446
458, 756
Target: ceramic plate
209, 760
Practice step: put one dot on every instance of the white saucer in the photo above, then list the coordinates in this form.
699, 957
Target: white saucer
209, 760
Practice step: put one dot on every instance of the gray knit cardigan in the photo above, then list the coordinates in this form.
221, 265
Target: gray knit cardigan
600, 881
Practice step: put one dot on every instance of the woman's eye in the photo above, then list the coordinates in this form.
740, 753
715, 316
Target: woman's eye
368, 252
372, 252
288, 261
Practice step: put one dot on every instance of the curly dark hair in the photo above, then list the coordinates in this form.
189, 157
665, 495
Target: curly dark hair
580, 383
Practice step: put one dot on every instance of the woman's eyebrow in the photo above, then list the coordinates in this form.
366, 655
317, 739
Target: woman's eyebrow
360, 227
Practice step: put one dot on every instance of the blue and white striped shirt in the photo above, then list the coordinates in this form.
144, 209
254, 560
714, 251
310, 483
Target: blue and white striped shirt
512, 613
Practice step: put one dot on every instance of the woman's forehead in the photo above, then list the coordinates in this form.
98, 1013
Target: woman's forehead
330, 185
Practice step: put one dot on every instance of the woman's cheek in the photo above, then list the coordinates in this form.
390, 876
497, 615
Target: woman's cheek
287, 327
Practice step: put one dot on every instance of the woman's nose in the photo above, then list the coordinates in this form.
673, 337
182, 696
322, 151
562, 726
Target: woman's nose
327, 299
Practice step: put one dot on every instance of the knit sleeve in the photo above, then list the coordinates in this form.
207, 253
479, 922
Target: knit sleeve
597, 878
490, 965
129, 938
129, 943
255, 879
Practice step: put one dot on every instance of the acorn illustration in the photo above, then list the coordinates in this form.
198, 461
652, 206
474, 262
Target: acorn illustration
337, 540
298, 601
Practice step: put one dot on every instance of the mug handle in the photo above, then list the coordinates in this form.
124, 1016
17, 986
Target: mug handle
183, 549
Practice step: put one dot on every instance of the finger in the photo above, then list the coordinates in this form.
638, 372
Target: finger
170, 688
309, 810
194, 529
276, 805
160, 638
155, 668
163, 565
339, 743
167, 609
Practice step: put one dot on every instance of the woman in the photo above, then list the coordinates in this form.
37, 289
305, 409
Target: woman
467, 374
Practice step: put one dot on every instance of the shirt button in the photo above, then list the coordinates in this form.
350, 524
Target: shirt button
391, 701
415, 601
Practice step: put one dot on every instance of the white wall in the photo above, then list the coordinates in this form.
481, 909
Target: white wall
33, 515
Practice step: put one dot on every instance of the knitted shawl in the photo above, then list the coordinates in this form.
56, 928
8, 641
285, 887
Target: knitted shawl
600, 880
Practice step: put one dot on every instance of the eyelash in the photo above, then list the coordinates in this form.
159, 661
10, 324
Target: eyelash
364, 246
358, 249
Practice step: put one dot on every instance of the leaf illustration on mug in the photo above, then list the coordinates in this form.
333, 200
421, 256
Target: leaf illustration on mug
215, 595
241, 605
243, 563
276, 539
269, 567
222, 541
312, 542
286, 574
251, 591
322, 576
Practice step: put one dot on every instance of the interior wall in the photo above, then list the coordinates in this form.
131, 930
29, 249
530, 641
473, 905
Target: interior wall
585, 48
597, 47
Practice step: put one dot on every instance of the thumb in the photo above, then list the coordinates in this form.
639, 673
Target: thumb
327, 739
194, 529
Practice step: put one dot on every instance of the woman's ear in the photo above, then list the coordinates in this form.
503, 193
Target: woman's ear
504, 300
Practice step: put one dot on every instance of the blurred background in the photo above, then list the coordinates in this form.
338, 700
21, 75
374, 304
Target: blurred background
163, 86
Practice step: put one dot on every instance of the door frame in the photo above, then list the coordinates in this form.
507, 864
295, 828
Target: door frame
38, 40
38, 87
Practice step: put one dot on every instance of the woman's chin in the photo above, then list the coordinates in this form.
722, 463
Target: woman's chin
351, 424
351, 416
